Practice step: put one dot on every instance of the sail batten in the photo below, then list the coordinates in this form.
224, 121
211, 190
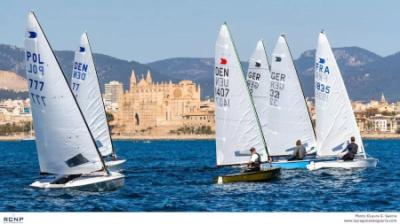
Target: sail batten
335, 120
86, 88
237, 125
63, 140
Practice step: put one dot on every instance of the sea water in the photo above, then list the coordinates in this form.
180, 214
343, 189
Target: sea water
179, 175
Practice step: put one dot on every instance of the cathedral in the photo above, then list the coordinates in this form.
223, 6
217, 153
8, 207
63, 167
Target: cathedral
151, 108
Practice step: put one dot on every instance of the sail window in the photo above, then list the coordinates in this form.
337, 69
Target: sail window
76, 160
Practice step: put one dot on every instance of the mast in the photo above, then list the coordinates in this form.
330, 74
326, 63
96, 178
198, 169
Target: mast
336, 121
254, 109
248, 94
301, 87
237, 124
69, 89
102, 100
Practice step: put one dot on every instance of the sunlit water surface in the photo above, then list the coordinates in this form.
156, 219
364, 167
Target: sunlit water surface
178, 176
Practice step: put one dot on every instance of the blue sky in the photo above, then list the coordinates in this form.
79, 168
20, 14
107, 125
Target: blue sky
150, 30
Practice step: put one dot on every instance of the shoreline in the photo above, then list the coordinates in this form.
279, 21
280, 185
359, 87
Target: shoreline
373, 136
17, 138
168, 137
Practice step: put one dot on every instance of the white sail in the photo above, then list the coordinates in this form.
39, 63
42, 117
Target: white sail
237, 126
279, 100
85, 86
335, 121
257, 75
63, 140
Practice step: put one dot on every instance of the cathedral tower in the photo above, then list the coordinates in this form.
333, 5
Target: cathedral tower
133, 80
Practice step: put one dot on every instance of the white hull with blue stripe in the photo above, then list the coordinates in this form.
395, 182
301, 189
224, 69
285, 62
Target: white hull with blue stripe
355, 164
297, 164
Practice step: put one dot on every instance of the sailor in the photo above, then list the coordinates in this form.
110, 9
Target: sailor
351, 149
255, 161
299, 152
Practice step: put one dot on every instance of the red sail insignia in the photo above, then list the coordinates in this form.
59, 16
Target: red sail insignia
223, 61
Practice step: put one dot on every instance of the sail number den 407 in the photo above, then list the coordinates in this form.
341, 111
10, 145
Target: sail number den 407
222, 86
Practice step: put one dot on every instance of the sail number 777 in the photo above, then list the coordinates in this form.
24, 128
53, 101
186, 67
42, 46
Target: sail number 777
35, 70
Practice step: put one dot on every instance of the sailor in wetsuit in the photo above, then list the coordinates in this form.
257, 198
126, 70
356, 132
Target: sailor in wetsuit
255, 161
351, 149
299, 152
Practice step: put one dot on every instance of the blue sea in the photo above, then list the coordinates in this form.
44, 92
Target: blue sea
178, 176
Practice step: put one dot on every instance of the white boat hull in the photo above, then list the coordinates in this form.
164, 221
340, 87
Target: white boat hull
98, 181
357, 163
115, 165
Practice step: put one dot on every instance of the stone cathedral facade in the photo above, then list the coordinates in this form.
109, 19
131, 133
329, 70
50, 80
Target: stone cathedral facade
153, 108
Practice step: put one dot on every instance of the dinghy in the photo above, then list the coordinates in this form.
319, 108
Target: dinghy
86, 88
279, 100
335, 120
258, 176
65, 145
237, 125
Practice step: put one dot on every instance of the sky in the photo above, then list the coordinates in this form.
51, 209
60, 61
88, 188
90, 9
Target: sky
151, 30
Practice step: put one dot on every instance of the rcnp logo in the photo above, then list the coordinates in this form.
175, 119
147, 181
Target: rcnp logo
13, 219
322, 67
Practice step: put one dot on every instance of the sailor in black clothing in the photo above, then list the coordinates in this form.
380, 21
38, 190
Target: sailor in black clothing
352, 149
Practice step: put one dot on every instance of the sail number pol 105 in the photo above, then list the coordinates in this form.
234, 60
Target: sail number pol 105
35, 70
222, 86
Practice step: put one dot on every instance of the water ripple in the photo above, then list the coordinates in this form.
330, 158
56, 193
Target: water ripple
179, 176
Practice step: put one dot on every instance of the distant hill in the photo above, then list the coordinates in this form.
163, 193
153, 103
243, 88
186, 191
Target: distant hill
12, 81
200, 70
108, 68
366, 74
353, 62
12, 86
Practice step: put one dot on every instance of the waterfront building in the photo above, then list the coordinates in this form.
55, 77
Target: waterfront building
15, 111
154, 108
112, 92
384, 123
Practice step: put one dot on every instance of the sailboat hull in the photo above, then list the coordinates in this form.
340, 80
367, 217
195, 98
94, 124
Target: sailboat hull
115, 165
297, 164
98, 181
300, 164
340, 164
256, 176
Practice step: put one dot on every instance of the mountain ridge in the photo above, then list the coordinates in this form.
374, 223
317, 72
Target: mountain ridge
365, 73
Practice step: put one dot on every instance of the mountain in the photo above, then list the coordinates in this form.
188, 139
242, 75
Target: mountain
12, 81
365, 73
200, 70
12, 59
108, 68
353, 62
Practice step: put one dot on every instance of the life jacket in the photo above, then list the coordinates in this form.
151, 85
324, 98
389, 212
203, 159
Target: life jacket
258, 160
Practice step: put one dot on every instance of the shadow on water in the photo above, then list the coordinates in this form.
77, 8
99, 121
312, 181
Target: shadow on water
179, 176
